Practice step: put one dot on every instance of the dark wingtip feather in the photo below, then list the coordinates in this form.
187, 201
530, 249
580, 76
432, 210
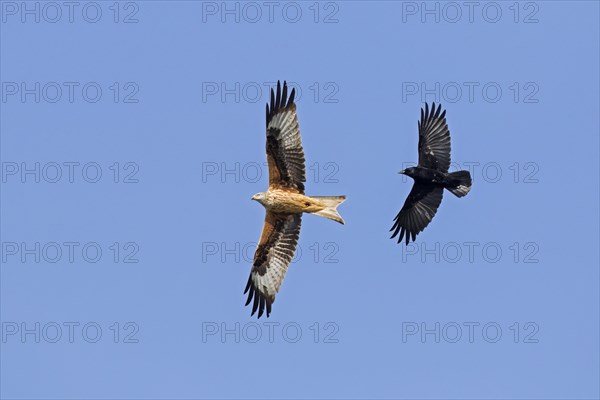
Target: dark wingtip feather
278, 98
401, 235
284, 95
260, 303
437, 112
272, 100
255, 304
396, 227
250, 294
271, 107
248, 284
261, 306
292, 95
267, 112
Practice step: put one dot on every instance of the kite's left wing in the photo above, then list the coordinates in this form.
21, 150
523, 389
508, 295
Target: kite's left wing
285, 154
273, 256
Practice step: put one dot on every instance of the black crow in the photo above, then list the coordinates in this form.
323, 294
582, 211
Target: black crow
431, 176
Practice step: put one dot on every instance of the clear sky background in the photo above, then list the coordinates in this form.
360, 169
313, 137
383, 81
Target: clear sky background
498, 298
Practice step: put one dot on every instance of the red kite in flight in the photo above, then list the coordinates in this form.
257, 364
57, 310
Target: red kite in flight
284, 202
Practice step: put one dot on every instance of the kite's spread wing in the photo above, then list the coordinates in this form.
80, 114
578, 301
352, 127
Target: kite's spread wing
273, 256
434, 139
418, 210
285, 155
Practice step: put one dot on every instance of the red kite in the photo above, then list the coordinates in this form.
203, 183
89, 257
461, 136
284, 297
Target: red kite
284, 202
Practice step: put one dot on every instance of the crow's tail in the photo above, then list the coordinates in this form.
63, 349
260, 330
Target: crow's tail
460, 183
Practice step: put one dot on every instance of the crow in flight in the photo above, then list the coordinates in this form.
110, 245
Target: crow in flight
431, 176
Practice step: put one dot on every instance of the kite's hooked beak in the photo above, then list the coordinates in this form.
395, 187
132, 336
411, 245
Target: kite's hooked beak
402, 172
258, 197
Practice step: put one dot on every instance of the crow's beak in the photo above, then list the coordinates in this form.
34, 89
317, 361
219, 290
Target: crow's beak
402, 172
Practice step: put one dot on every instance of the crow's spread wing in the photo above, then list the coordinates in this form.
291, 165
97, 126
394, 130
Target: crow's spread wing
434, 139
418, 210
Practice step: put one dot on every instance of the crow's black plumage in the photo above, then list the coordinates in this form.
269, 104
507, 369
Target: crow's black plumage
431, 176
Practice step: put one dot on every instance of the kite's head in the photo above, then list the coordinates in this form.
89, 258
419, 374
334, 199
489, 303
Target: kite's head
412, 171
260, 197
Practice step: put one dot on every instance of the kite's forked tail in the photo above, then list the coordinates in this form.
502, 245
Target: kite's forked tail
331, 204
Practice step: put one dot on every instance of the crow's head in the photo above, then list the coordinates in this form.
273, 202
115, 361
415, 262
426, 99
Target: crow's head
412, 171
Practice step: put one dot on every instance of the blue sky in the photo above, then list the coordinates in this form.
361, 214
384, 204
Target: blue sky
132, 138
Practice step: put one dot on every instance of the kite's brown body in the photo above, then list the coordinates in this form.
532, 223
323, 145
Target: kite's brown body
281, 201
